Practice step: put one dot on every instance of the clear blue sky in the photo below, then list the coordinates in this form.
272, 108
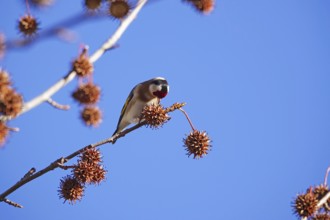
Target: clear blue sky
255, 75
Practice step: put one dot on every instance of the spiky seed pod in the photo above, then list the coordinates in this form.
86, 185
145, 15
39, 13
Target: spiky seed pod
197, 143
93, 4
203, 6
92, 116
4, 79
11, 103
3, 133
87, 94
89, 173
305, 205
71, 189
82, 66
323, 216
154, 115
4, 90
91, 156
319, 192
119, 8
28, 25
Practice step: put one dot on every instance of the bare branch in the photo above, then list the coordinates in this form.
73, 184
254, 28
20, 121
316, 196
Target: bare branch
109, 44
12, 203
119, 32
13, 129
59, 162
57, 105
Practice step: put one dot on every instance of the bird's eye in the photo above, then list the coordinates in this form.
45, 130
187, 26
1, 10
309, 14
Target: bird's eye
157, 83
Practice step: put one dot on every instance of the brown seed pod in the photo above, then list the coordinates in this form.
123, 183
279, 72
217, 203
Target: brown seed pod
91, 156
319, 192
4, 90
154, 115
87, 94
28, 25
3, 133
82, 66
93, 4
89, 173
11, 103
118, 9
91, 116
197, 143
203, 6
323, 216
4, 79
70, 189
305, 205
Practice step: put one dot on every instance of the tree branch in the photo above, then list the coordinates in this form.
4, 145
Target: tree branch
94, 57
111, 42
12, 203
57, 105
59, 163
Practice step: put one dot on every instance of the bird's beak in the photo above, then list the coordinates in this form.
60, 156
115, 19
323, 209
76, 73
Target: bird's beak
164, 89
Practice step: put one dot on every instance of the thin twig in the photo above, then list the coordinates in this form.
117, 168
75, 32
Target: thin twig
326, 176
94, 57
13, 129
59, 163
12, 203
29, 173
27, 7
185, 113
57, 105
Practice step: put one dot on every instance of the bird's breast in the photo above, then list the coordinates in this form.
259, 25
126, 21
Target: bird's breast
134, 114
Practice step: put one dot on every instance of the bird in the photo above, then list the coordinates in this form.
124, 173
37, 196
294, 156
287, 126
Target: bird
145, 93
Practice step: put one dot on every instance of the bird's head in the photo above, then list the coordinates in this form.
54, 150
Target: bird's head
159, 87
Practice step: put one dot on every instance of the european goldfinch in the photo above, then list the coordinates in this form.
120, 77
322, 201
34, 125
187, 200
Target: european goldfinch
145, 93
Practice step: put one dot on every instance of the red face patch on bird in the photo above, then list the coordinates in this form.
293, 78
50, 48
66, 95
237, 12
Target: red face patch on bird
160, 94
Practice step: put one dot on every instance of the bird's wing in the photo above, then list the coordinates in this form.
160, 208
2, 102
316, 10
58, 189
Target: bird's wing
123, 110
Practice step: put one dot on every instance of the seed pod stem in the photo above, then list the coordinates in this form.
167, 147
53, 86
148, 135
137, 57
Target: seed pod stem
326, 176
185, 113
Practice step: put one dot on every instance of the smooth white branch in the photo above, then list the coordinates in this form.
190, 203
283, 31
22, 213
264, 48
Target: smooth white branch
111, 42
